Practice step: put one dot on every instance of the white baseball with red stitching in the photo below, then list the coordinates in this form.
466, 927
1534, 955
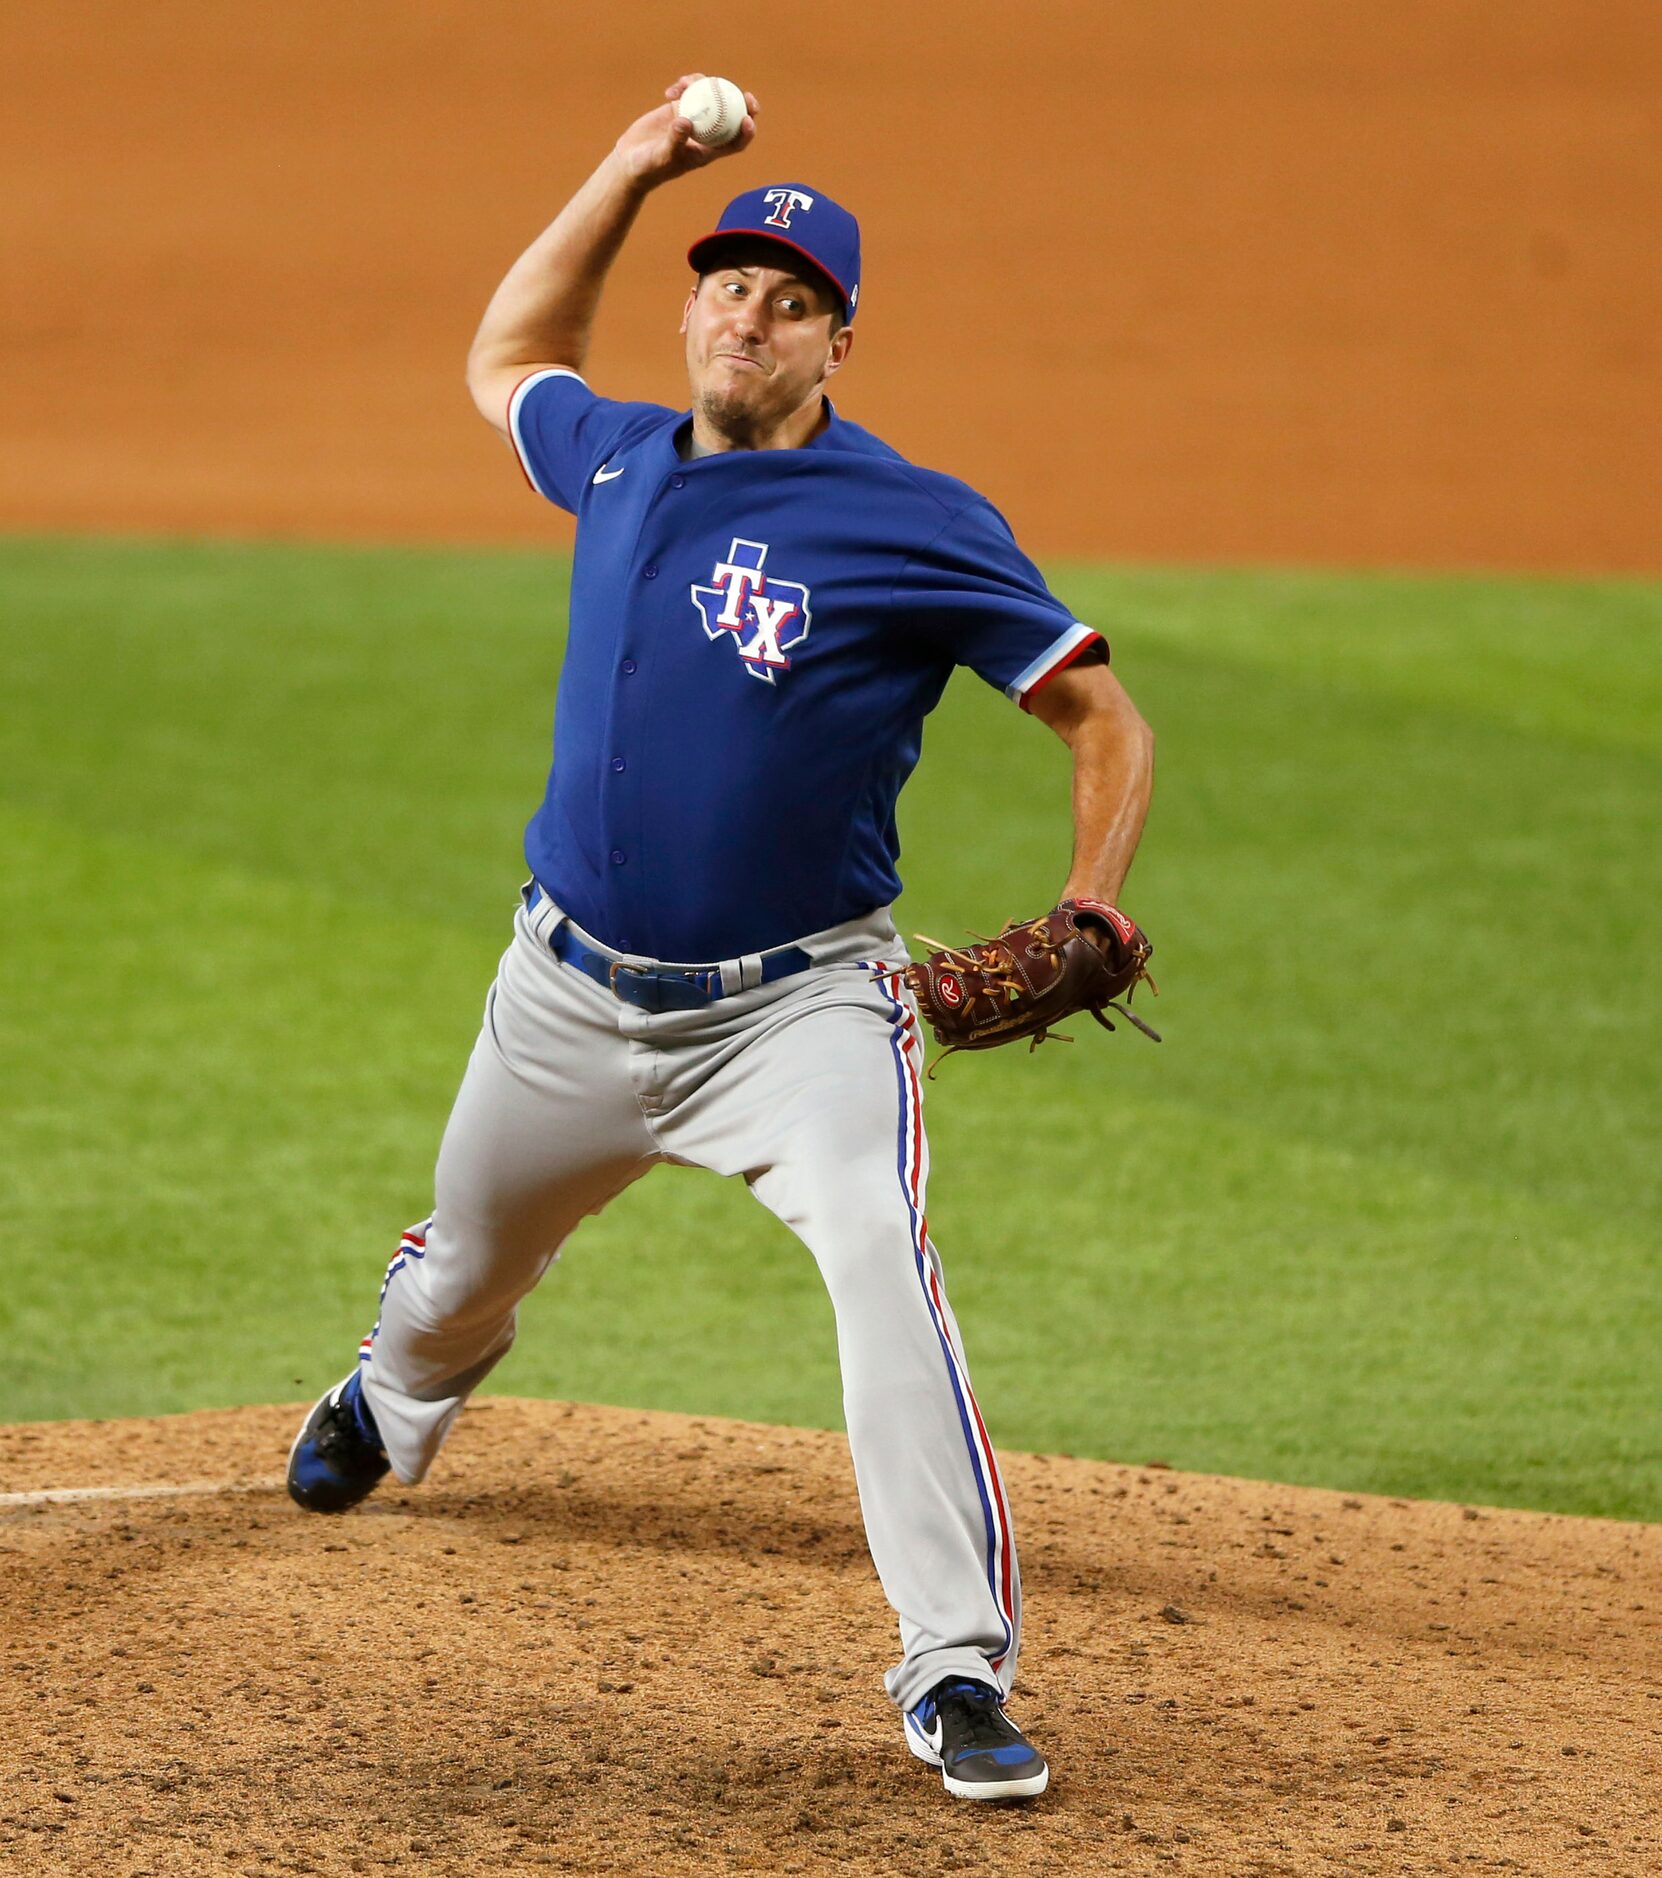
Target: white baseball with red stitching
716, 108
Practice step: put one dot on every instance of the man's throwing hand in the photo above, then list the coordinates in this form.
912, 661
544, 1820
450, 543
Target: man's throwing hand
661, 146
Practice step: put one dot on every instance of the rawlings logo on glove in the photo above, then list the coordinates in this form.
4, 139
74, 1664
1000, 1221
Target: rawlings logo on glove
1083, 955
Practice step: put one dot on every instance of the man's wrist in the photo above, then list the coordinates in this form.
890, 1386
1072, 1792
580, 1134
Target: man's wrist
625, 183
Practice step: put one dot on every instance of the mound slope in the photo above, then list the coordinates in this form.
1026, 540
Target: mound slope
602, 1640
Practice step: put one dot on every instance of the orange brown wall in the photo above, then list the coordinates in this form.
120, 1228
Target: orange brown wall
1286, 280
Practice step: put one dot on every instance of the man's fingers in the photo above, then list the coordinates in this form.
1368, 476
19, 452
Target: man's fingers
713, 153
684, 151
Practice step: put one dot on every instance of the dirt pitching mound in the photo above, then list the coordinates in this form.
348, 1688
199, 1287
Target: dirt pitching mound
605, 1641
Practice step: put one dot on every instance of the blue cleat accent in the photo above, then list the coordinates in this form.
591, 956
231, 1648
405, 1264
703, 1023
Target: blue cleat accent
337, 1458
961, 1728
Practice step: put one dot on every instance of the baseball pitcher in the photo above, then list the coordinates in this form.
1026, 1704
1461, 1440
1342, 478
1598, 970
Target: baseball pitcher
766, 602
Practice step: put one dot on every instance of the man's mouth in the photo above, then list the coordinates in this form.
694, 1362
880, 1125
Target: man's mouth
741, 358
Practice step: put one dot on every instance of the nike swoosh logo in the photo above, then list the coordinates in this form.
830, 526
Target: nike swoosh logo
607, 476
932, 1735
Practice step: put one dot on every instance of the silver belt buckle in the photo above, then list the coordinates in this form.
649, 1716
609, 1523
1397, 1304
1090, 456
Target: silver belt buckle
622, 965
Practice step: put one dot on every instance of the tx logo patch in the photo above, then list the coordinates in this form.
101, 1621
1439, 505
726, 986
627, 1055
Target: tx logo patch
765, 616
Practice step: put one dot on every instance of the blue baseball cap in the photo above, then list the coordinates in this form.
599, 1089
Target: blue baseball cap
801, 219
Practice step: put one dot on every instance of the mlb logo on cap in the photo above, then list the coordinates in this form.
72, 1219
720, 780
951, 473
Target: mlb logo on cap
805, 220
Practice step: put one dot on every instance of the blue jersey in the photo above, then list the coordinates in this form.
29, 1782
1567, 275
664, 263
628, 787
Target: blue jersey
756, 638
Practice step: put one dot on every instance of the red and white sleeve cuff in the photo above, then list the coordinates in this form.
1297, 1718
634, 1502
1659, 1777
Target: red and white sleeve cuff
1054, 659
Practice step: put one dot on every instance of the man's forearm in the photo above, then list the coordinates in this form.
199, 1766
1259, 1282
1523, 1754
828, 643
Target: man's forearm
544, 311
1113, 772
1113, 781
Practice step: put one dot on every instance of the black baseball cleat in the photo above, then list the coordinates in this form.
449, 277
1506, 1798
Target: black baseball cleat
960, 1727
337, 1457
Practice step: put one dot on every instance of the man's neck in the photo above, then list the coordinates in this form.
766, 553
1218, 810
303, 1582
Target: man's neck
801, 427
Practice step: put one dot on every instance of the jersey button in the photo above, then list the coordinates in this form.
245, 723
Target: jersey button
678, 482
629, 666
649, 572
619, 764
617, 857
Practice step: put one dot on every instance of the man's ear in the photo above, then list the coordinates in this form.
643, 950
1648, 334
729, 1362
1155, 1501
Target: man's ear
686, 311
840, 349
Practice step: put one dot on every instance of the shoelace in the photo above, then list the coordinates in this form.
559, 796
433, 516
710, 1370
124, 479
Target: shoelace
979, 1713
342, 1436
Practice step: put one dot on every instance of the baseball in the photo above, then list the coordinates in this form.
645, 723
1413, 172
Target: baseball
716, 107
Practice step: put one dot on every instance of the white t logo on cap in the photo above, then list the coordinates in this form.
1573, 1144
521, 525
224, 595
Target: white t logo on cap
784, 201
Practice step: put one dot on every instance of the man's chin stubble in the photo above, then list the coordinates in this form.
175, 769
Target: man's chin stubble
733, 418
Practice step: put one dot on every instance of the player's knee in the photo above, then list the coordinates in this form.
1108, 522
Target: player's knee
867, 1252
458, 1298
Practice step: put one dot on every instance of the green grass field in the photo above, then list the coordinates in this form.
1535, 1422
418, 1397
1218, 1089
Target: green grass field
1383, 1212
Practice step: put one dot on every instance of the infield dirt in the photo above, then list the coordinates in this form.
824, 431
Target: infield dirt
605, 1641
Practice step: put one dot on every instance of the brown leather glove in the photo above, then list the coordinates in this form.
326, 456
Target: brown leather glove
1080, 956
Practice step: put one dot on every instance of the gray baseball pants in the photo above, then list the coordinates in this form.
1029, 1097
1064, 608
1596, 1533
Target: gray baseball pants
810, 1089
